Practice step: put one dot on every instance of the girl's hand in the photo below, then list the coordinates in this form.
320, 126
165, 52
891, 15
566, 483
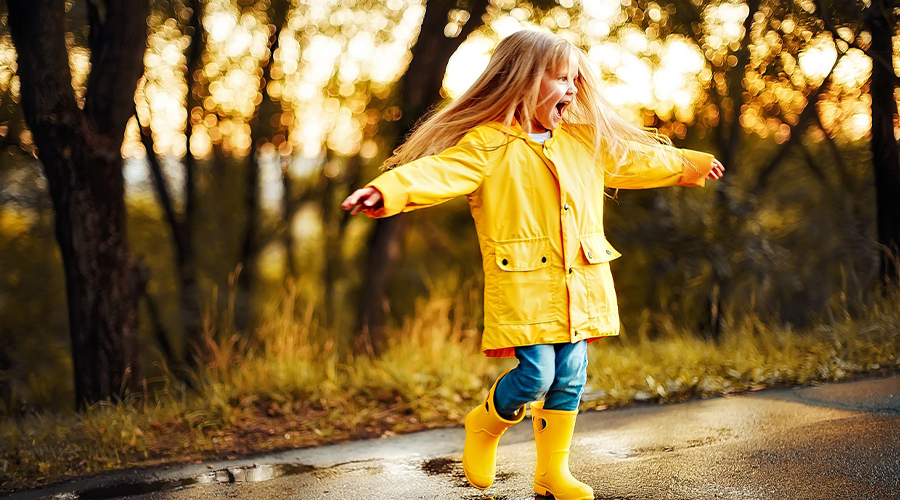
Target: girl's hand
363, 199
717, 171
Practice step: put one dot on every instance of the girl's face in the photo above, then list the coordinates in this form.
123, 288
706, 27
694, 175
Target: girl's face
556, 93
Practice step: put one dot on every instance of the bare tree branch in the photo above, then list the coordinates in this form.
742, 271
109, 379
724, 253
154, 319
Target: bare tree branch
194, 64
843, 172
808, 112
162, 187
814, 167
162, 338
827, 20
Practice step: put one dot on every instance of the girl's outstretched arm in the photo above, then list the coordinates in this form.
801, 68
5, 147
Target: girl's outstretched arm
428, 181
645, 167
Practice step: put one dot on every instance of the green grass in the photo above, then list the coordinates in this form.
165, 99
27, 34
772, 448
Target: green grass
291, 385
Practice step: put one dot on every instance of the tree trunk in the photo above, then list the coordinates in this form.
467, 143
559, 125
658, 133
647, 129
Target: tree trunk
183, 232
885, 151
421, 90
335, 223
384, 252
262, 129
289, 209
6, 401
182, 226
730, 134
80, 152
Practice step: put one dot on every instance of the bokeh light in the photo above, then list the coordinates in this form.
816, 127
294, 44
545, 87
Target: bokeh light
337, 61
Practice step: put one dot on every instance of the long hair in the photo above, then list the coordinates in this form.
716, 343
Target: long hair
507, 91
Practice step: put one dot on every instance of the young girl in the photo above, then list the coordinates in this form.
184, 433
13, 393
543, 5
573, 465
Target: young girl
533, 146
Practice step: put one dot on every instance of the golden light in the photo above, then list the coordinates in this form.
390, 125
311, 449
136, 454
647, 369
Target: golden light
8, 67
896, 45
723, 23
817, 58
853, 70
636, 75
466, 64
273, 261
633, 40
160, 96
219, 25
507, 25
334, 53
602, 11
337, 61
80, 65
131, 146
201, 142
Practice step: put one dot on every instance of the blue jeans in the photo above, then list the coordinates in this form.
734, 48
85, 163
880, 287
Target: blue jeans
556, 372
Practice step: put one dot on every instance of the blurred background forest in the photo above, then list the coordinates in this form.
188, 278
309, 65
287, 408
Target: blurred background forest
254, 118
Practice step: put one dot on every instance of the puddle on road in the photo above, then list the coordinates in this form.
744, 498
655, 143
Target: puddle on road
444, 466
441, 466
230, 475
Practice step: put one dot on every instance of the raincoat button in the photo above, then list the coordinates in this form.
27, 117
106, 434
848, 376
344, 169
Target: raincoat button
590, 255
505, 262
609, 252
571, 270
566, 206
543, 259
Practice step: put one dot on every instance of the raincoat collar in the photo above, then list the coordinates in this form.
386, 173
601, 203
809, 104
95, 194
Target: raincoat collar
516, 130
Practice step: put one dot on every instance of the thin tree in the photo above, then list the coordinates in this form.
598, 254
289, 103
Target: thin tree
261, 131
420, 90
728, 134
881, 20
730, 213
80, 153
182, 225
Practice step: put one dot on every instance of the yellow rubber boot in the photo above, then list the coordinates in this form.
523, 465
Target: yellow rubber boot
553, 433
483, 430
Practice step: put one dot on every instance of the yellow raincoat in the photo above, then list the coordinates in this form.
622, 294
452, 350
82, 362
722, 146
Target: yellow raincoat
538, 212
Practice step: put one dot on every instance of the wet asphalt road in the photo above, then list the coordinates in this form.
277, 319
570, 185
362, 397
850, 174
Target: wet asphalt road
838, 441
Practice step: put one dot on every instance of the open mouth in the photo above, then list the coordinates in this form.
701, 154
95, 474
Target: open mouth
560, 107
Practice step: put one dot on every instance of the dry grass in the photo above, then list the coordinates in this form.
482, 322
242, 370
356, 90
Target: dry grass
291, 387
750, 356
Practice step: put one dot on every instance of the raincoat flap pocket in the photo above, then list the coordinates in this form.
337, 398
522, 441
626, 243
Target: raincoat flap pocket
523, 255
597, 250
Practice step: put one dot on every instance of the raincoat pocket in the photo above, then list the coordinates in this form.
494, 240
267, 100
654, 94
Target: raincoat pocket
525, 288
601, 294
597, 250
523, 255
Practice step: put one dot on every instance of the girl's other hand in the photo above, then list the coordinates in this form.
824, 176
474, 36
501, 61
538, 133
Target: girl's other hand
363, 199
718, 170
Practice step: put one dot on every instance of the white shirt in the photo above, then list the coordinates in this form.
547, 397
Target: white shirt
543, 136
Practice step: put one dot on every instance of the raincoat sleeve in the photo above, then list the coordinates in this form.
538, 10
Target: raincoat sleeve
431, 180
646, 167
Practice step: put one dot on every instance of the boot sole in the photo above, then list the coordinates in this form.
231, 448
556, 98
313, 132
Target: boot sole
473, 483
544, 491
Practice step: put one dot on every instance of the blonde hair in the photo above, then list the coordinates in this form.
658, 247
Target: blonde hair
507, 91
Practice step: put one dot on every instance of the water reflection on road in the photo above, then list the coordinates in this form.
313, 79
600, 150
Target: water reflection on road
255, 473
